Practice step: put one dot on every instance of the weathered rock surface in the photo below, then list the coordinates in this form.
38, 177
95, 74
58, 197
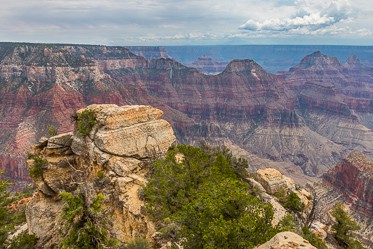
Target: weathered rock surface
279, 212
319, 230
60, 141
353, 176
98, 167
287, 240
273, 181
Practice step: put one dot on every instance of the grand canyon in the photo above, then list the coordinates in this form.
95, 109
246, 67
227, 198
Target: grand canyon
310, 116
303, 121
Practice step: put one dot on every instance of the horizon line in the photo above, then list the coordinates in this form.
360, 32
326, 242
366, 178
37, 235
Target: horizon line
186, 45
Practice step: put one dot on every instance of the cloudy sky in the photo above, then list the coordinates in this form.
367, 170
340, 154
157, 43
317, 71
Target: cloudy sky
190, 22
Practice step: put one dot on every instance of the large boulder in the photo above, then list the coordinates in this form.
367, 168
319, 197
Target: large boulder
60, 141
152, 138
127, 131
273, 181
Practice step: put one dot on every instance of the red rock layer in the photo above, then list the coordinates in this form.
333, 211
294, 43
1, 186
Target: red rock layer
13, 167
353, 176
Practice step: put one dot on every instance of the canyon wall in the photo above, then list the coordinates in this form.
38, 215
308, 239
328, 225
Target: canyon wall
309, 117
353, 176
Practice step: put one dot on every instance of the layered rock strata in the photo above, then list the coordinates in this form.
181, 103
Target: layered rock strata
112, 160
353, 176
309, 117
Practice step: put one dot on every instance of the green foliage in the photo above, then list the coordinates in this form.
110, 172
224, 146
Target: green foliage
223, 215
74, 206
85, 122
239, 165
171, 231
287, 224
204, 200
86, 223
29, 155
52, 131
100, 175
294, 203
5, 200
343, 227
138, 243
24, 241
8, 220
314, 240
36, 169
291, 201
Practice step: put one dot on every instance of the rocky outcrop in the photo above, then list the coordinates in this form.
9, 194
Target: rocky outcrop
112, 160
353, 176
273, 181
271, 184
279, 212
286, 240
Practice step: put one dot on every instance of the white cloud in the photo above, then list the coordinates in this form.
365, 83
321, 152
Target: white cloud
168, 22
311, 16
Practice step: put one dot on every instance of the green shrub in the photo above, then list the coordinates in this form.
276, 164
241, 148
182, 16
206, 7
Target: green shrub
24, 241
287, 224
100, 175
36, 169
204, 200
294, 203
314, 240
138, 243
85, 122
343, 227
9, 220
171, 231
5, 200
29, 155
85, 223
291, 201
52, 131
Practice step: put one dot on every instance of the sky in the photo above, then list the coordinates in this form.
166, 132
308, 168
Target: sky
191, 22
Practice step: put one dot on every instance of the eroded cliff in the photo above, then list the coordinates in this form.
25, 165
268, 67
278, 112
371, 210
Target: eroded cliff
111, 159
353, 176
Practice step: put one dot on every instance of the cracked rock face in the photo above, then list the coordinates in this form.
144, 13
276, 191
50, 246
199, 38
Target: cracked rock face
121, 144
128, 131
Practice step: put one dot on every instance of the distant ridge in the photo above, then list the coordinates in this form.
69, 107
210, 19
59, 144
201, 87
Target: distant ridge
273, 58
